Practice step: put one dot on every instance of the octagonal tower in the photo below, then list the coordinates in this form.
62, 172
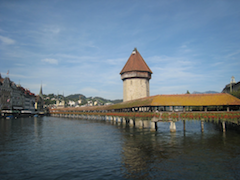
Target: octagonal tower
135, 75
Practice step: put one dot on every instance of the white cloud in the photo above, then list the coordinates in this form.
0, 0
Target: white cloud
232, 54
7, 40
116, 61
89, 91
50, 61
52, 29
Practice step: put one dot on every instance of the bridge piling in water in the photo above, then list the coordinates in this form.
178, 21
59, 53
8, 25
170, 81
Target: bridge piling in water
172, 126
202, 126
153, 126
223, 126
132, 122
184, 125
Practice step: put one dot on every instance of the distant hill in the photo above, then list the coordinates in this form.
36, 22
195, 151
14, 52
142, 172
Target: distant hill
51, 99
207, 92
75, 97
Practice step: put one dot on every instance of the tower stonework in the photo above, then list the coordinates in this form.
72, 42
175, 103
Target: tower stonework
135, 75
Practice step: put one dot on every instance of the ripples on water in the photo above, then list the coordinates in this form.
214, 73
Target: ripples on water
62, 148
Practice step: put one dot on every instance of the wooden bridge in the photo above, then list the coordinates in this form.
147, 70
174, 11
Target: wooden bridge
156, 108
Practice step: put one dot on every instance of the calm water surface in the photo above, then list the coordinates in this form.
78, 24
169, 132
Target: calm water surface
62, 148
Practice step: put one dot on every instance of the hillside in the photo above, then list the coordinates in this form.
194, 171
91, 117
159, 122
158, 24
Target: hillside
75, 97
51, 99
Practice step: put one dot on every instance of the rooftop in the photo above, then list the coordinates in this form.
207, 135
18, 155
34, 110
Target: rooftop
135, 63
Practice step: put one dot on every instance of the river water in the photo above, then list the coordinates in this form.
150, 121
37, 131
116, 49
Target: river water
64, 148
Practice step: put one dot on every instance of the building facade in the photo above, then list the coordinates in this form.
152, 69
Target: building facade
15, 97
135, 75
6, 93
232, 86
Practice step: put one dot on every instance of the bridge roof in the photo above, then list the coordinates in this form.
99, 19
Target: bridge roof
218, 99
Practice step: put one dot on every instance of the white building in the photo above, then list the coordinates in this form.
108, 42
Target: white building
71, 103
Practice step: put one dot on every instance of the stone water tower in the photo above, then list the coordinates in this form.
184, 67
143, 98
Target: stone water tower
135, 75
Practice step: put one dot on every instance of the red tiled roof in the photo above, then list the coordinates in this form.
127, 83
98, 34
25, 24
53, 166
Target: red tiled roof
136, 63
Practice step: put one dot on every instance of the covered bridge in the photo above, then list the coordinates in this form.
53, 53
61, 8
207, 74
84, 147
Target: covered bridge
224, 101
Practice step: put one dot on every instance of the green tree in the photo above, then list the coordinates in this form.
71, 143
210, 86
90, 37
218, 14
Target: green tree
236, 93
187, 92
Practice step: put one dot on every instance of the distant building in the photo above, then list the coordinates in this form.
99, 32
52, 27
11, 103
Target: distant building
39, 101
18, 97
108, 103
6, 93
232, 86
135, 75
15, 97
79, 101
29, 103
89, 103
60, 103
71, 103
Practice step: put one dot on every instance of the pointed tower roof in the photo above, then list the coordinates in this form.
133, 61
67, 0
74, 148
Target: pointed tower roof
40, 92
135, 63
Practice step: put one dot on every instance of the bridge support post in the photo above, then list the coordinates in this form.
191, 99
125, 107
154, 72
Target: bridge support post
202, 126
132, 122
172, 126
119, 120
153, 126
205, 108
184, 108
141, 124
223, 126
184, 125
123, 120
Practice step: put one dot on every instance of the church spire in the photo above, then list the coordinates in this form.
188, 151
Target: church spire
40, 92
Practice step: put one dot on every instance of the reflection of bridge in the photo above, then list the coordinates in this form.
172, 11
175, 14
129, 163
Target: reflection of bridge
203, 102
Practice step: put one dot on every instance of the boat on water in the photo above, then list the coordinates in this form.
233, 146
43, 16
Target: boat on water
10, 117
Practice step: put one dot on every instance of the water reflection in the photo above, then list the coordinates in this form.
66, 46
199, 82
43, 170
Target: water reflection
146, 154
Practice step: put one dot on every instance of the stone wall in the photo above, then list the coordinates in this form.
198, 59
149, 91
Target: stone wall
135, 88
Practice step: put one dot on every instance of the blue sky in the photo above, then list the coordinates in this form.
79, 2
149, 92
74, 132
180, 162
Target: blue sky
81, 46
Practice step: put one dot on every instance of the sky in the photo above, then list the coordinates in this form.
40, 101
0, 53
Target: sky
78, 46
